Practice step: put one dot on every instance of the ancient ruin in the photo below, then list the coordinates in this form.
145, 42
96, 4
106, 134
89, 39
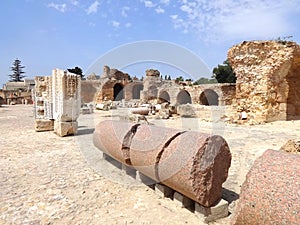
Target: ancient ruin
193, 164
268, 73
57, 102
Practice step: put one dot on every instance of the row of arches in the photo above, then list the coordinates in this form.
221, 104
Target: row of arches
119, 91
207, 97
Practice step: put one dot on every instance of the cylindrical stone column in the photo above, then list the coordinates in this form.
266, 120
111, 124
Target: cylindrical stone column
192, 163
271, 192
147, 146
114, 138
196, 165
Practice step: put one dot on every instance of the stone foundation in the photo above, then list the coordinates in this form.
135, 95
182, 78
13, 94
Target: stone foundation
65, 128
44, 125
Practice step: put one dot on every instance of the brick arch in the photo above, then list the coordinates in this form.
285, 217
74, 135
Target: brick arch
164, 96
136, 91
209, 97
183, 97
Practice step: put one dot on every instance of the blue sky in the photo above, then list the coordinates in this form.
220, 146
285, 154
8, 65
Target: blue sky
47, 34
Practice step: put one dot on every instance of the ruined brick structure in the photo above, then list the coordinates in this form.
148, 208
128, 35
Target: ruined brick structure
267, 87
268, 79
115, 85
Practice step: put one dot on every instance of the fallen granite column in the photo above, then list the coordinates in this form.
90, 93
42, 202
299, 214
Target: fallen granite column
192, 163
114, 138
271, 192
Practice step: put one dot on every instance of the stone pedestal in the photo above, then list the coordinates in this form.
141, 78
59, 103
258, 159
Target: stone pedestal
65, 128
44, 125
184, 201
164, 191
208, 214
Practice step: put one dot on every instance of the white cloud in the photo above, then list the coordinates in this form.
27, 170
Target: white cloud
74, 2
124, 11
231, 19
166, 2
115, 24
93, 8
174, 17
59, 7
127, 25
159, 10
148, 4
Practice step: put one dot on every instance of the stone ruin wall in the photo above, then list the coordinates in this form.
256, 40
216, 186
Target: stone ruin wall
268, 79
57, 102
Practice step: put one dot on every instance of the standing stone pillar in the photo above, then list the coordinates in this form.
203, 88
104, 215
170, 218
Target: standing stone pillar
66, 101
42, 98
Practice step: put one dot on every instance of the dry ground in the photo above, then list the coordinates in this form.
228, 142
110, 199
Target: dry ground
46, 179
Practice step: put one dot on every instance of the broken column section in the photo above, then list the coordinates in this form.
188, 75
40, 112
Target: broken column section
57, 102
43, 104
66, 101
192, 163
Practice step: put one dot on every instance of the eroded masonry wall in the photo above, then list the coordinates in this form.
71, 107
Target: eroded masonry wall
267, 79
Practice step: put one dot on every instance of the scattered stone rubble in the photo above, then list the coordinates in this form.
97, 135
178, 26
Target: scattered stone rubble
292, 146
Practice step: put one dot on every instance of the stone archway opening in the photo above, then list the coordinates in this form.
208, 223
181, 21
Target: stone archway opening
118, 92
209, 97
164, 97
136, 91
183, 97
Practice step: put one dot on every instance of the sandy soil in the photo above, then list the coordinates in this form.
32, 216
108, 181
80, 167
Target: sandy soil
46, 179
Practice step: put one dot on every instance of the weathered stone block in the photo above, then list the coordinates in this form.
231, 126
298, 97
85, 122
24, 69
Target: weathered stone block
164, 191
44, 125
183, 201
209, 214
186, 110
65, 128
270, 194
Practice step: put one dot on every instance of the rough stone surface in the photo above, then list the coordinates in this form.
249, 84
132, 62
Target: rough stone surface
267, 85
213, 213
44, 125
270, 194
196, 165
292, 146
186, 110
63, 129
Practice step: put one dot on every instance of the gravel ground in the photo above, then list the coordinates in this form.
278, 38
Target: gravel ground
46, 179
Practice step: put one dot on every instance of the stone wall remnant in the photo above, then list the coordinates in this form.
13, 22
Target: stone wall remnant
270, 194
66, 101
268, 79
57, 102
192, 163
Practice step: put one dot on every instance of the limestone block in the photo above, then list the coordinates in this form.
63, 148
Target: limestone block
183, 201
65, 128
209, 214
186, 110
44, 125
